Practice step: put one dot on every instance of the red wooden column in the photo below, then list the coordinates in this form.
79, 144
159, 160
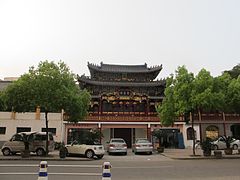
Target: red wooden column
100, 130
100, 106
224, 124
149, 132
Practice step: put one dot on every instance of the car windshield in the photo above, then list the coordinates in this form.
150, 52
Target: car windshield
142, 141
117, 141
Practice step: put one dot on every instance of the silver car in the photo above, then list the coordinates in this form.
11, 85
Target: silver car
37, 143
142, 145
221, 144
117, 145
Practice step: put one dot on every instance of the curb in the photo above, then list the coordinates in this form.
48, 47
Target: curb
44, 159
201, 157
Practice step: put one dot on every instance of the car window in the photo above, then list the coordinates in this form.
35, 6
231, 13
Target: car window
117, 141
40, 137
221, 139
142, 141
17, 137
30, 137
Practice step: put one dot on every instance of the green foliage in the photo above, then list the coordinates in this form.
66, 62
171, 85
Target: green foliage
177, 99
77, 106
220, 89
185, 93
183, 85
206, 145
235, 72
166, 111
50, 86
202, 94
93, 136
159, 134
233, 95
2, 102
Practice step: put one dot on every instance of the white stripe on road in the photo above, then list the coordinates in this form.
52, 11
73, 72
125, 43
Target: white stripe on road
75, 174
37, 165
83, 166
143, 167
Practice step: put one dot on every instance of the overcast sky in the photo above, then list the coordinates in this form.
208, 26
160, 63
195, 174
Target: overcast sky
195, 33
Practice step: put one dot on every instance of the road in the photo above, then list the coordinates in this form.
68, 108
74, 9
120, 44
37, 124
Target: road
126, 168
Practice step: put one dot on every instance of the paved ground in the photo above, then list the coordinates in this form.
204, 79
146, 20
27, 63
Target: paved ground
169, 154
188, 154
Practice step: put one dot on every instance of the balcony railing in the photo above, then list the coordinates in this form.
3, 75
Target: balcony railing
152, 117
119, 118
217, 117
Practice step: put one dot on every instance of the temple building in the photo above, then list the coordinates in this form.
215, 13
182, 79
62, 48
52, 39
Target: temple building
123, 100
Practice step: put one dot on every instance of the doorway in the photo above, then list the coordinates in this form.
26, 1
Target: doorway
124, 133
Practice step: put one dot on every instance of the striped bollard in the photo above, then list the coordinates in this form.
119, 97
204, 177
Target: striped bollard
106, 175
43, 175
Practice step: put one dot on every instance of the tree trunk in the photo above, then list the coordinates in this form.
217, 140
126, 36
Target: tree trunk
193, 134
46, 121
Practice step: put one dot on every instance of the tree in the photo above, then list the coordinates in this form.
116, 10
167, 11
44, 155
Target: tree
183, 85
51, 87
166, 110
234, 72
77, 105
177, 101
220, 89
202, 94
160, 135
2, 103
233, 95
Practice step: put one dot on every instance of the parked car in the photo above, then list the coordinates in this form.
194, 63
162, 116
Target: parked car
86, 150
220, 143
37, 143
117, 145
142, 145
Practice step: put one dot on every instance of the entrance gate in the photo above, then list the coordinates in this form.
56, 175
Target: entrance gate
124, 133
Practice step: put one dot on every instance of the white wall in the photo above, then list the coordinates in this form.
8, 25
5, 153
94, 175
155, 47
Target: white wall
29, 120
106, 137
189, 143
140, 133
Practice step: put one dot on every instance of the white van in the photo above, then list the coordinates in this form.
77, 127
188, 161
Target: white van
37, 143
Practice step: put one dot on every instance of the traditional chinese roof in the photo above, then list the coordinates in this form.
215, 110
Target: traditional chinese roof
113, 68
86, 80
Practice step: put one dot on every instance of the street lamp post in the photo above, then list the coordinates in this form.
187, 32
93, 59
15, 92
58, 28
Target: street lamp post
71, 135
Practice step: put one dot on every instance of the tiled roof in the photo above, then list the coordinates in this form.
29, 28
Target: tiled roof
124, 68
121, 84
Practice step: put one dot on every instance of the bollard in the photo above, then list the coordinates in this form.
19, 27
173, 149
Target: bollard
106, 175
43, 175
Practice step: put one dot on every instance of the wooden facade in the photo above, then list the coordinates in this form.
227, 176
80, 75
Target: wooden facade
123, 97
123, 90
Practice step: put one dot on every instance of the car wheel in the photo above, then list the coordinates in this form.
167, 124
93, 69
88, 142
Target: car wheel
6, 151
89, 154
150, 152
235, 146
125, 153
215, 147
40, 152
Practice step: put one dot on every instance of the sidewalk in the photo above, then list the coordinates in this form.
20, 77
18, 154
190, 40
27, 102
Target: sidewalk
178, 154
185, 154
